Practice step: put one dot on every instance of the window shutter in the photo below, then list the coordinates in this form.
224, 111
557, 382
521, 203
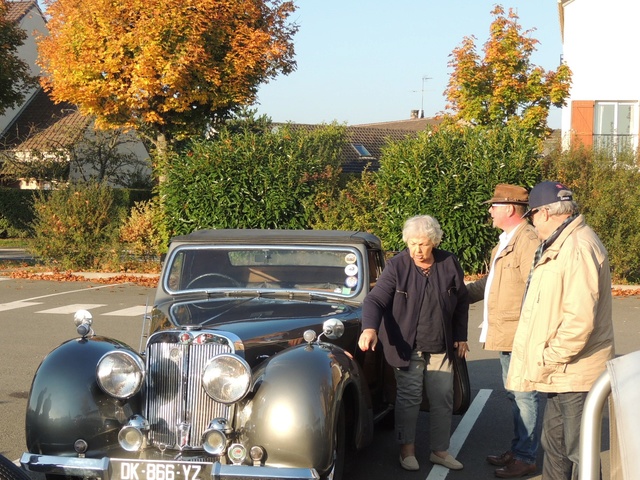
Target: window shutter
582, 122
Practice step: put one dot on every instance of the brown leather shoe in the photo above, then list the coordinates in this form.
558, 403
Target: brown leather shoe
516, 469
501, 460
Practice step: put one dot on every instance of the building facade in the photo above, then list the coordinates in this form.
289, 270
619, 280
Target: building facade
598, 45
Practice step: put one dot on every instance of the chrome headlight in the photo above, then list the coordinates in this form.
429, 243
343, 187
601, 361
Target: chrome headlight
226, 378
120, 373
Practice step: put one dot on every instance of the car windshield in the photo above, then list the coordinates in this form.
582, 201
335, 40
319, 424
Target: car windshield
324, 270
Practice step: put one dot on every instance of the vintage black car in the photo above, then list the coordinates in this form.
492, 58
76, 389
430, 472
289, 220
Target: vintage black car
250, 368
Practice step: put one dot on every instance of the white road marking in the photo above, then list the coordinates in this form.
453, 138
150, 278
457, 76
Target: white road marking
136, 311
438, 472
18, 304
72, 308
73, 291
27, 302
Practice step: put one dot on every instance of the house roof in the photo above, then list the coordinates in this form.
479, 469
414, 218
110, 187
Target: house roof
373, 139
410, 124
44, 126
367, 141
17, 10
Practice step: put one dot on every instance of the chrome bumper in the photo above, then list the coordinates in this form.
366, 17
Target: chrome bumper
101, 468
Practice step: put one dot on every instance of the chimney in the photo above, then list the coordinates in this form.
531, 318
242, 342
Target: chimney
414, 114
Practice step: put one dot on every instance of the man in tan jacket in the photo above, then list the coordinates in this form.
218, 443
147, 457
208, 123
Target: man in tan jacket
502, 291
565, 335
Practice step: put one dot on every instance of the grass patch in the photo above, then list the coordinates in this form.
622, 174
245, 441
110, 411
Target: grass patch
15, 242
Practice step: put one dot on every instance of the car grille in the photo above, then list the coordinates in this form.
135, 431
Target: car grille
175, 398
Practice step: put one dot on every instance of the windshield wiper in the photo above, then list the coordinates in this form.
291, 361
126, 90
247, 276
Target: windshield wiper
286, 294
250, 293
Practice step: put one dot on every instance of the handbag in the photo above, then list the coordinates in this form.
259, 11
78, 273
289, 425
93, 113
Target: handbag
461, 386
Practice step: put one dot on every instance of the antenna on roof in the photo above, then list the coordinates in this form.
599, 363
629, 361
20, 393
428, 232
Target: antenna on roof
424, 78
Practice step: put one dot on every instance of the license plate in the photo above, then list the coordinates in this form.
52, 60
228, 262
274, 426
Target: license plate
159, 470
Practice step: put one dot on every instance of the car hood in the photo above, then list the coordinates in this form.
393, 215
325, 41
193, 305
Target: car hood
265, 324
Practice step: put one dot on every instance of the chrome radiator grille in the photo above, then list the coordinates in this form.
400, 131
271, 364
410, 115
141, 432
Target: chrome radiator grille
175, 398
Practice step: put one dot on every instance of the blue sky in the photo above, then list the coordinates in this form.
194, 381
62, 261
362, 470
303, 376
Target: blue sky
363, 61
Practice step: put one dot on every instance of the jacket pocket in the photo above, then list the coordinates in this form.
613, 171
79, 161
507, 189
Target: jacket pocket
449, 300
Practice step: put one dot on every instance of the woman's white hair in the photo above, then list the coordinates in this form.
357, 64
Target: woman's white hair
422, 226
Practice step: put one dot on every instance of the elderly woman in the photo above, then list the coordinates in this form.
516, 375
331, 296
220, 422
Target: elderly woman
419, 309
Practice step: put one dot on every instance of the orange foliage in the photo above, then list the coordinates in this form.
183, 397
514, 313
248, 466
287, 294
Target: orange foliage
166, 64
504, 86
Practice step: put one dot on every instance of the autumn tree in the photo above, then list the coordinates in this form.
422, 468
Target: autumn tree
167, 68
504, 86
15, 75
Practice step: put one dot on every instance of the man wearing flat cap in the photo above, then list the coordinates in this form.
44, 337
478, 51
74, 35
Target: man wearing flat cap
565, 333
502, 291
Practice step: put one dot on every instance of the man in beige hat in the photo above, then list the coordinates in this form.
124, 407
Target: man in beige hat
502, 291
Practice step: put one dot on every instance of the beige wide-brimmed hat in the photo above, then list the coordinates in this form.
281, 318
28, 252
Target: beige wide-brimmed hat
506, 193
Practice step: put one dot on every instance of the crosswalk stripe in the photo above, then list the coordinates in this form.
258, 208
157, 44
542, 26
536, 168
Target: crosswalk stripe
72, 308
136, 311
18, 304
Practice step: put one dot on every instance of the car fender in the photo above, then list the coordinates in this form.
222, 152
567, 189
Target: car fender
294, 409
66, 404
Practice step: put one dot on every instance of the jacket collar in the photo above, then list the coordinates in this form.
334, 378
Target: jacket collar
512, 240
553, 250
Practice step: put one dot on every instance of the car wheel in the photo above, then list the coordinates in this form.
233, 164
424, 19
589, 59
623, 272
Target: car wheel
10, 471
339, 453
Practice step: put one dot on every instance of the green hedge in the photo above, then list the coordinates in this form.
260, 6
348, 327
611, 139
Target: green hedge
252, 179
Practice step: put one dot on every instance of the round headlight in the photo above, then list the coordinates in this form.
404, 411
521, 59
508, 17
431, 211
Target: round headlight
120, 373
226, 378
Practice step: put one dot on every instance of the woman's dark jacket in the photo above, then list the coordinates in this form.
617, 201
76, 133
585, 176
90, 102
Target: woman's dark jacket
392, 307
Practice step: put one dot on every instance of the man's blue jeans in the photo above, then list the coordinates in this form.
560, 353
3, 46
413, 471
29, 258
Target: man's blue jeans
524, 406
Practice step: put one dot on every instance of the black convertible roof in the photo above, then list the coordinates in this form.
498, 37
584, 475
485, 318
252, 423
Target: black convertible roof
265, 236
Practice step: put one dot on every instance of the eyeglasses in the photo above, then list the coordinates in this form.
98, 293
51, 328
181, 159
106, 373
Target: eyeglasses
533, 211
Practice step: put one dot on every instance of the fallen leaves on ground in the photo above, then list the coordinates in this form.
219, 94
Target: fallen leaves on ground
625, 292
142, 280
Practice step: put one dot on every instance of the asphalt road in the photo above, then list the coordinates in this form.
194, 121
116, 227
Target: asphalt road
37, 316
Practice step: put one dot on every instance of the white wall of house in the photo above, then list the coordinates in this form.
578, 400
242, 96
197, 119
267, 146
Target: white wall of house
600, 42
34, 24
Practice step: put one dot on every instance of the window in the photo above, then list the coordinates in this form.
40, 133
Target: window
615, 125
361, 149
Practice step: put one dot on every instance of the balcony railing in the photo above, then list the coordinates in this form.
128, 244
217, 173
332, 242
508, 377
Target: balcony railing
615, 142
